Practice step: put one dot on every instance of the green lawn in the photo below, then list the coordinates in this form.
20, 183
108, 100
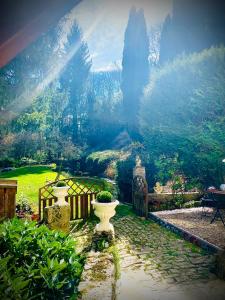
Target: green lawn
30, 179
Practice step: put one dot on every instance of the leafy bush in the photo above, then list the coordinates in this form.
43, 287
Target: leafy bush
97, 162
60, 184
37, 263
191, 204
102, 241
104, 197
23, 206
124, 178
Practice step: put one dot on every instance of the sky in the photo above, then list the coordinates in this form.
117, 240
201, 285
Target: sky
103, 23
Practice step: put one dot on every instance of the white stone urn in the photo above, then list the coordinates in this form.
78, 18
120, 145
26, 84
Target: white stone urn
104, 211
222, 187
61, 192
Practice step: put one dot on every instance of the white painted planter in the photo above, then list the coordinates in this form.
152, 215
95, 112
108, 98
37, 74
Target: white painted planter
222, 187
61, 192
105, 211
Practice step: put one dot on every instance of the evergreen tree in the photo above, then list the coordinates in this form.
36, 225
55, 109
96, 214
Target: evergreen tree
135, 65
73, 79
193, 26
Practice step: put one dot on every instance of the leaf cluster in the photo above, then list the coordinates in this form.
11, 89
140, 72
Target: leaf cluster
36, 263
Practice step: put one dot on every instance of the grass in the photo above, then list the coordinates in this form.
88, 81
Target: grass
30, 179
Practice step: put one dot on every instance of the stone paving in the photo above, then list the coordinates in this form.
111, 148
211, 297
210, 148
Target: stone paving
157, 264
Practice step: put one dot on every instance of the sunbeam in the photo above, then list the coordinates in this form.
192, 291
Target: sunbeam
26, 98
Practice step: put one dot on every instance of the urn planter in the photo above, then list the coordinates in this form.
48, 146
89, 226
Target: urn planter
104, 211
222, 187
61, 192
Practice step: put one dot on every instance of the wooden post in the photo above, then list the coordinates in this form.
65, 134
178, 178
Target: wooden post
8, 190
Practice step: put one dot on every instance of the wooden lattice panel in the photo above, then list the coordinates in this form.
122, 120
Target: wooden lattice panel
82, 190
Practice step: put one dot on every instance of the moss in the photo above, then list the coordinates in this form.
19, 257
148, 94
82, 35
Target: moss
98, 271
116, 260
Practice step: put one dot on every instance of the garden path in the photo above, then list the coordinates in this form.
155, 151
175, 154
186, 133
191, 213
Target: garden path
157, 264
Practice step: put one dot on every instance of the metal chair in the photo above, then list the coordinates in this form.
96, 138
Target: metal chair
208, 200
220, 204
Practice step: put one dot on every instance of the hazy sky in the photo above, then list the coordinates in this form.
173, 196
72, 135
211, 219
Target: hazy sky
103, 23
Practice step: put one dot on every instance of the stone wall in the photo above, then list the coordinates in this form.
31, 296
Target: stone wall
167, 197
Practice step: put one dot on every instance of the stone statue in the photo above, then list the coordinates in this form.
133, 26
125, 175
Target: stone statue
138, 161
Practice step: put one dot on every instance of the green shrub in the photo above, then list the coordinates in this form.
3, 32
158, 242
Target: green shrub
191, 204
124, 178
97, 162
37, 263
60, 184
104, 197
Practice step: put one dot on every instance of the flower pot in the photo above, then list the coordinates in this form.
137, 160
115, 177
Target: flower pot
61, 192
35, 217
105, 211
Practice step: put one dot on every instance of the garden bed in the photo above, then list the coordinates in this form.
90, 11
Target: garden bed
191, 220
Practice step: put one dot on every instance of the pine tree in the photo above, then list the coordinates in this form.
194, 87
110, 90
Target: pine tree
135, 65
73, 79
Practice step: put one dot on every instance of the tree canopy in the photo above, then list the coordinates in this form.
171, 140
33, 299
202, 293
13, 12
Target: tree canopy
186, 114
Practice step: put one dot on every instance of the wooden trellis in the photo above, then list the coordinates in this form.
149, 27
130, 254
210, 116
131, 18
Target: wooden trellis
82, 190
140, 195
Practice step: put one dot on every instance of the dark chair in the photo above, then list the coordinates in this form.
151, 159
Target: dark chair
208, 200
220, 205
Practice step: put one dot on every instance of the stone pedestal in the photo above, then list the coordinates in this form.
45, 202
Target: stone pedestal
58, 217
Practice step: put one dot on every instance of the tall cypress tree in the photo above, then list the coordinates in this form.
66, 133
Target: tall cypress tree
135, 65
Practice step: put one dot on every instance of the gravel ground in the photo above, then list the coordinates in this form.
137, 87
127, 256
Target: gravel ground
192, 220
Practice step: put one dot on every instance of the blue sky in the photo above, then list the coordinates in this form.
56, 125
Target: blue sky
103, 23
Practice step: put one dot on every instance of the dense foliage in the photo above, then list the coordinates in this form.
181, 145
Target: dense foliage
37, 263
194, 25
184, 115
97, 163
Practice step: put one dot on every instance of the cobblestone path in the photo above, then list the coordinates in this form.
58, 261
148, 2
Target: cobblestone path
157, 264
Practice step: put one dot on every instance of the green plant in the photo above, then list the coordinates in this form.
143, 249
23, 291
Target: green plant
98, 162
23, 206
104, 197
102, 241
40, 263
124, 178
60, 184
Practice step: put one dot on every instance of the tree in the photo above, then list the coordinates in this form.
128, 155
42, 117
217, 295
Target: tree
73, 79
183, 112
135, 65
193, 26
102, 108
